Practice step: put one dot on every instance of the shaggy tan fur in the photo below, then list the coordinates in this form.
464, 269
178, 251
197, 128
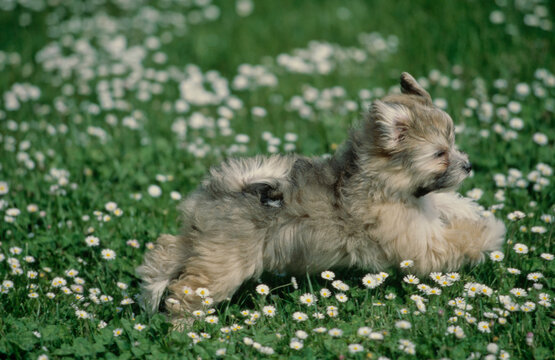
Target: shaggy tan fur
387, 196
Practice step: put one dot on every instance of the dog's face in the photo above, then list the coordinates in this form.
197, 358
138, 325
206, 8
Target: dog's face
415, 142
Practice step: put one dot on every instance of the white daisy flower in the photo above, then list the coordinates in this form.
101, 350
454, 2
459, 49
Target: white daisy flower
308, 299
263, 289
108, 254
328, 275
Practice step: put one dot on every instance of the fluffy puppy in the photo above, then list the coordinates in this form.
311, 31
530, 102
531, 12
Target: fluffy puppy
387, 196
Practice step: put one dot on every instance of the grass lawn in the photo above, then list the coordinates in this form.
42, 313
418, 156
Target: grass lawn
111, 111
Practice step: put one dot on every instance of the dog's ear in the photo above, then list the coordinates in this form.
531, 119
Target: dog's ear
389, 123
410, 86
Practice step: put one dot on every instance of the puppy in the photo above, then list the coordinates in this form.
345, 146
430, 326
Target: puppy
386, 196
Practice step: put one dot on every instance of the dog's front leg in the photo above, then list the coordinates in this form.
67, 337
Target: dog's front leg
467, 229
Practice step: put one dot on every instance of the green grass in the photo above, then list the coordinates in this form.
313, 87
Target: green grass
453, 45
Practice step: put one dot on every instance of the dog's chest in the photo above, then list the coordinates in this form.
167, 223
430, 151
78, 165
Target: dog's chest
389, 221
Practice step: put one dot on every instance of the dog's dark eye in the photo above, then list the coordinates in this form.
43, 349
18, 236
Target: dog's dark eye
440, 154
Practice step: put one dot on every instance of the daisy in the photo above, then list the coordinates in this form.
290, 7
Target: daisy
513, 271
518, 292
154, 191
111, 206
456, 330
4, 188
341, 297
328, 275
58, 281
117, 332
325, 293
407, 346
364, 331
512, 307
453, 276
92, 240
122, 285
434, 291
320, 330
308, 299
436, 276
139, 327
547, 256
299, 316
236, 327
370, 281
296, 345
301, 334
540, 139
496, 256
390, 296
72, 273
423, 287
332, 311
406, 264
538, 229
411, 279
255, 315
127, 301
294, 283
403, 324
516, 215
269, 310
376, 336
335, 332
535, 276
134, 243
198, 313
265, 350
483, 326
263, 289
187, 290
207, 301
528, 306
355, 348
485, 290
202, 292
520, 248
108, 254
340, 285
82, 314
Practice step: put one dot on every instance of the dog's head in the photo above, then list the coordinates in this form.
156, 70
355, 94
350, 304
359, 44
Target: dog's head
413, 143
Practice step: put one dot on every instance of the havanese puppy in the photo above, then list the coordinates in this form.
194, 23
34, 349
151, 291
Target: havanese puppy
388, 195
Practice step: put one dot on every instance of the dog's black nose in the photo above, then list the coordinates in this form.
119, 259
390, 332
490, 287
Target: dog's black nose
467, 167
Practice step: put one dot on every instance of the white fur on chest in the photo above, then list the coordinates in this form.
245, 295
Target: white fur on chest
407, 230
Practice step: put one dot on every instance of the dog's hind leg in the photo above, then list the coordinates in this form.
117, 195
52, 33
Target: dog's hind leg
220, 265
161, 265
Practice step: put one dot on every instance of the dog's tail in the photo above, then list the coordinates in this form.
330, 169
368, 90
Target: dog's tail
160, 265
